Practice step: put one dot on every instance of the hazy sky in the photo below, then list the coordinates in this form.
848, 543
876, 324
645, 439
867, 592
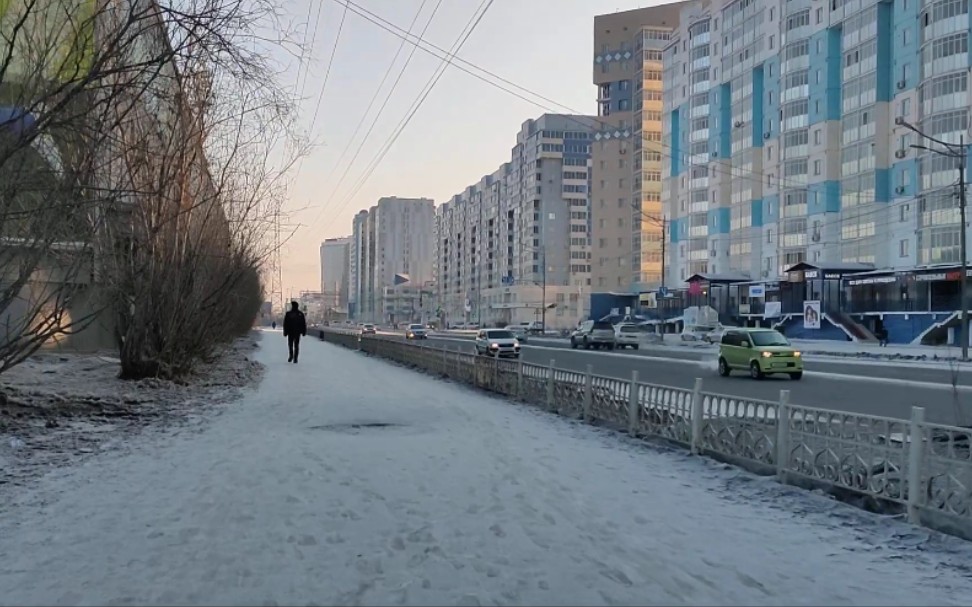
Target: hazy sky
464, 129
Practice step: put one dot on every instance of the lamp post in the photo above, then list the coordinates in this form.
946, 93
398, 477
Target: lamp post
957, 152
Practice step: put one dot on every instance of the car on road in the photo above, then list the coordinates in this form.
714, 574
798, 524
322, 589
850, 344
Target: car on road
416, 331
369, 329
595, 334
762, 352
520, 332
715, 335
632, 335
497, 342
697, 332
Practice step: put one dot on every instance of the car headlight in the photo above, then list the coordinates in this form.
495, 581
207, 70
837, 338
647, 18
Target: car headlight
766, 354
797, 354
494, 346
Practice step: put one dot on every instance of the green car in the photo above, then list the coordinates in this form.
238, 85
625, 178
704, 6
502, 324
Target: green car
759, 351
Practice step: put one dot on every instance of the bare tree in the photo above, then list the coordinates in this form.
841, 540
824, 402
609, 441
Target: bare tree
186, 279
135, 175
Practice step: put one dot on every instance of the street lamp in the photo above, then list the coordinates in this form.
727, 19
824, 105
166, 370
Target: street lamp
957, 152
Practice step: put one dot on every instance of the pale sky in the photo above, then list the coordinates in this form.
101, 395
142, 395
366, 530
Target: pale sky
464, 129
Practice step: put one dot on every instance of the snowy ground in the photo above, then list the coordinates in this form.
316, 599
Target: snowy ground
346, 480
59, 408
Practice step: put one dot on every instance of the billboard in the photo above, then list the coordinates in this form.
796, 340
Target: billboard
811, 315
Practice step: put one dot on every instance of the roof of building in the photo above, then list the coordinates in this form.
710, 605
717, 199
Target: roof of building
723, 278
841, 267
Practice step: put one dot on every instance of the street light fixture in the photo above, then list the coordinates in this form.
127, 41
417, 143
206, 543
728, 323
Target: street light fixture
958, 152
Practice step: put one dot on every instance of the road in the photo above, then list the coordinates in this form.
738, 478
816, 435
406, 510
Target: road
346, 480
870, 388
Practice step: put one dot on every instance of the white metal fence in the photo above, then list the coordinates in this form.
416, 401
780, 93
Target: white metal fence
863, 454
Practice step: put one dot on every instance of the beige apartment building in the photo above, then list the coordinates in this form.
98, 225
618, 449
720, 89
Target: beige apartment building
628, 225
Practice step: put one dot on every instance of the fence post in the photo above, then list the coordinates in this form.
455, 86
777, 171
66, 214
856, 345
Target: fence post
634, 405
588, 413
783, 435
519, 378
916, 452
445, 360
550, 384
697, 414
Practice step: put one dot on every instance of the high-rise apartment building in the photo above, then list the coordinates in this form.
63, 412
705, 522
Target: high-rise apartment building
787, 123
628, 224
335, 264
518, 241
391, 244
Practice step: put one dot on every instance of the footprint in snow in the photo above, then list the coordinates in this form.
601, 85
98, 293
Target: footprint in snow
497, 531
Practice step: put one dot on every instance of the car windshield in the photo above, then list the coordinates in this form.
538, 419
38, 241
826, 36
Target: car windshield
499, 334
602, 326
633, 329
768, 338
413, 327
369, 326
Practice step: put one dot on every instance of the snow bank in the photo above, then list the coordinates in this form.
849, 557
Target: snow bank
346, 480
57, 408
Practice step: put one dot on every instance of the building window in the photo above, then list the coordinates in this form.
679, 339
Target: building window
771, 42
816, 137
816, 167
903, 248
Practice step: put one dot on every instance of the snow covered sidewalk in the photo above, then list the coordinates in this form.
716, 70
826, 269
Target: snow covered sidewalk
346, 480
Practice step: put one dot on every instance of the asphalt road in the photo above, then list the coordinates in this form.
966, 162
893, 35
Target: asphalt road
873, 388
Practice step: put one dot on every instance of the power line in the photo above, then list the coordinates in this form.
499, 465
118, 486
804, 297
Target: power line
474, 22
374, 98
418, 42
330, 63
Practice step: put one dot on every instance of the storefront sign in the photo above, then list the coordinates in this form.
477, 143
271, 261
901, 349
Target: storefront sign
811, 274
871, 280
757, 291
832, 276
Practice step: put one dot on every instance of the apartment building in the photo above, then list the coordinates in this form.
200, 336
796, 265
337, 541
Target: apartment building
335, 265
628, 223
391, 244
518, 242
791, 147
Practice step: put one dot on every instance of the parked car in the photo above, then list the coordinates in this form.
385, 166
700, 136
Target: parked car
497, 342
632, 335
520, 332
696, 332
416, 331
369, 329
761, 352
593, 334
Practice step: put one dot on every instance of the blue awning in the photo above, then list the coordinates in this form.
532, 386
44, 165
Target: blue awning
16, 121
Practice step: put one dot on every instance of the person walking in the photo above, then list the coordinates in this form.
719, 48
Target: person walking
294, 327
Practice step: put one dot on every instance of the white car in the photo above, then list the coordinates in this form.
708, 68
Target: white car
416, 331
368, 329
497, 342
631, 335
715, 335
696, 332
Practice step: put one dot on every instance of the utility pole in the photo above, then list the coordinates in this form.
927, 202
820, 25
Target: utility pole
959, 153
664, 226
543, 290
965, 255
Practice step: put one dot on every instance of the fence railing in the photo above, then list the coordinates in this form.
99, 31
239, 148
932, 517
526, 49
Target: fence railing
864, 454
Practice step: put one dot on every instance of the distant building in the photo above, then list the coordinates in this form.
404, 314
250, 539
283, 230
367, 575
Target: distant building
335, 265
628, 221
392, 238
519, 240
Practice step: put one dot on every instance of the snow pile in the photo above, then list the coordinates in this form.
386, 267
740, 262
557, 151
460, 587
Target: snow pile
346, 480
55, 408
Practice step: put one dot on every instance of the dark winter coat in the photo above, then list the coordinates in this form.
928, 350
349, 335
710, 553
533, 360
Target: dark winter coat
294, 323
